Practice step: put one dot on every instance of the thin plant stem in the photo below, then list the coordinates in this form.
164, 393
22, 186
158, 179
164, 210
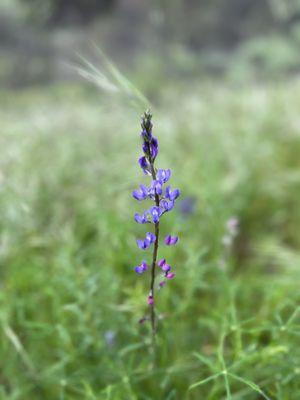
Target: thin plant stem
154, 259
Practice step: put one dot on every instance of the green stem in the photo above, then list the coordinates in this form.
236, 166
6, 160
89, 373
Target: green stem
153, 266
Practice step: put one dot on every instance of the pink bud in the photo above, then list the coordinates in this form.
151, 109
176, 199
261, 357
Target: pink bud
150, 300
170, 275
162, 283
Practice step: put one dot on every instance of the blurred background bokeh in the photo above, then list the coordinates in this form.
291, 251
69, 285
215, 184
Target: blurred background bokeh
236, 39
222, 78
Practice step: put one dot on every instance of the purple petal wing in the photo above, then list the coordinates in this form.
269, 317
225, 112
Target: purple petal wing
151, 237
161, 262
140, 219
155, 212
168, 191
154, 148
174, 240
144, 266
170, 275
168, 240
139, 269
174, 194
166, 268
144, 165
141, 244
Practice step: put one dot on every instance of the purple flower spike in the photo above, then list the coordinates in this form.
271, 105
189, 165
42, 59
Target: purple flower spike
163, 175
140, 194
163, 200
172, 194
155, 213
140, 269
171, 240
141, 219
170, 275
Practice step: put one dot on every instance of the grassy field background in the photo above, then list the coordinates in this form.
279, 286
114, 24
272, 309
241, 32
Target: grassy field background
70, 301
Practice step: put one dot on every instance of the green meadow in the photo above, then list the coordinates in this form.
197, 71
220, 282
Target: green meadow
229, 323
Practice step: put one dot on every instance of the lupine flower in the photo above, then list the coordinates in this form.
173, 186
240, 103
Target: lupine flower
161, 262
144, 244
141, 219
155, 213
151, 237
167, 205
164, 201
170, 275
140, 269
155, 188
163, 265
140, 194
163, 175
171, 240
172, 194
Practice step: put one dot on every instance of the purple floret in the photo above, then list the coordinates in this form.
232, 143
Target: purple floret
141, 219
172, 194
140, 194
163, 175
155, 213
167, 205
155, 188
171, 240
140, 269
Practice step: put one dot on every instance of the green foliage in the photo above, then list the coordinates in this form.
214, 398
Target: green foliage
231, 321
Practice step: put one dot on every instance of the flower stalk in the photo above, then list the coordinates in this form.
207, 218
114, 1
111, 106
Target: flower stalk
164, 201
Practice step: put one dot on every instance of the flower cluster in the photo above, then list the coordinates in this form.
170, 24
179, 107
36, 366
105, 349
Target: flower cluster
163, 197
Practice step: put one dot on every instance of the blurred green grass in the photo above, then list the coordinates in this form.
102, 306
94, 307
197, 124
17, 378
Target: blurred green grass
70, 303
